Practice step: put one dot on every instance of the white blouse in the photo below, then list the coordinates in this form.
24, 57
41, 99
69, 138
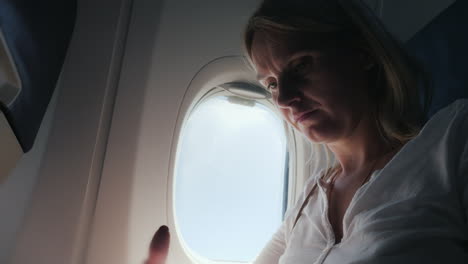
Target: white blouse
414, 210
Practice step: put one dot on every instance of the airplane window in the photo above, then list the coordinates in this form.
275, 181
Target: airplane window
230, 178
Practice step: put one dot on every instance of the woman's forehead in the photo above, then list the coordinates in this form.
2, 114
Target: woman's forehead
267, 51
270, 50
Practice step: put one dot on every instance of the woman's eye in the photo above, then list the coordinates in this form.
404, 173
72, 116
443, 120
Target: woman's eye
272, 86
302, 66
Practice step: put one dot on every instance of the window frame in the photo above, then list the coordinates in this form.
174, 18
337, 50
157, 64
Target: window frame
206, 83
217, 92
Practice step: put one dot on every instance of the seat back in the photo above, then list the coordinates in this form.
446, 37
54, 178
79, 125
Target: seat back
442, 47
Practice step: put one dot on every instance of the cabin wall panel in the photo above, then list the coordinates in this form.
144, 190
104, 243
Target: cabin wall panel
56, 224
16, 191
164, 52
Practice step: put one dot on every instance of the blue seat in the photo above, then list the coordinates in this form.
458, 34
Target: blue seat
37, 34
442, 48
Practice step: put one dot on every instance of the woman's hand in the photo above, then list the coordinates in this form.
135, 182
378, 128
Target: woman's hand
159, 246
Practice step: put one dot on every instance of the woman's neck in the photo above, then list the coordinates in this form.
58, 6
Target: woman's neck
361, 148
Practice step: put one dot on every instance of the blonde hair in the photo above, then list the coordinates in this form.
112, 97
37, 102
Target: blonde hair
400, 112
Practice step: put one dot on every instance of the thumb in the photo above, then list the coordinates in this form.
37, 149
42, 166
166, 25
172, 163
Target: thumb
159, 246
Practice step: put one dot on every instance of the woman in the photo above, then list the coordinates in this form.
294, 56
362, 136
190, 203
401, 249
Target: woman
397, 191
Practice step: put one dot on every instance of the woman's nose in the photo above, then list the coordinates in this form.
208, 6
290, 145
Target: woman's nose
288, 93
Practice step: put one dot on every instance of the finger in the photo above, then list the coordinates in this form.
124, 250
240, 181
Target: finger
159, 246
161, 240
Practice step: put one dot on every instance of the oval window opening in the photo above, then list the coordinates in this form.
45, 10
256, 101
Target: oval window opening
230, 181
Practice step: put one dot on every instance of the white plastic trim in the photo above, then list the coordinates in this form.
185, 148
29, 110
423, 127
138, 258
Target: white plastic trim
10, 150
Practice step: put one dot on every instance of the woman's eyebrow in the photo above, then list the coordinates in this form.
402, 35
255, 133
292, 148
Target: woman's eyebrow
297, 55
292, 58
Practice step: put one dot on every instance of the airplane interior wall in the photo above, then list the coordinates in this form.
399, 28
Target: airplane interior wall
94, 186
188, 35
57, 215
16, 192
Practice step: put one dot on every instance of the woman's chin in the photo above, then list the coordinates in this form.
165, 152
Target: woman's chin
317, 140
320, 135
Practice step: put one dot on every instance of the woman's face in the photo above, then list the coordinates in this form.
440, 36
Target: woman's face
319, 87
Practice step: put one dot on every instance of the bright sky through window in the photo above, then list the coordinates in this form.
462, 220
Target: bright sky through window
230, 179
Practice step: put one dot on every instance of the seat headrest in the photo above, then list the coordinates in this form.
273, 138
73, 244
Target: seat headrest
442, 47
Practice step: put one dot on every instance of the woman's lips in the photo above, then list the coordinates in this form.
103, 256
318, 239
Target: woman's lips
303, 116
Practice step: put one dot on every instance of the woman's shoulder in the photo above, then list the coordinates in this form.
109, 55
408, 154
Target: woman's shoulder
453, 120
456, 110
448, 127
447, 130
457, 130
